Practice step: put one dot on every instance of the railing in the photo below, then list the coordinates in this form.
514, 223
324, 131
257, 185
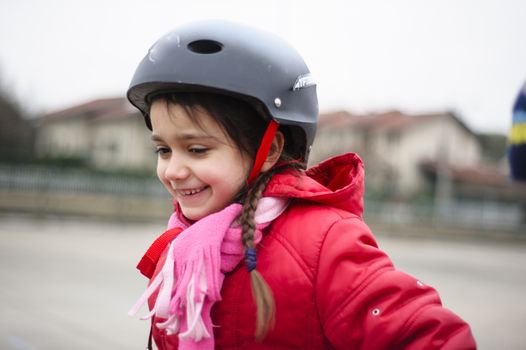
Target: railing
485, 217
49, 190
51, 179
63, 191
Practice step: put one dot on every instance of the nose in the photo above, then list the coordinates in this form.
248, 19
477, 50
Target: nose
177, 169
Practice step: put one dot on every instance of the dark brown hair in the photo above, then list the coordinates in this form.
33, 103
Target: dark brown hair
245, 126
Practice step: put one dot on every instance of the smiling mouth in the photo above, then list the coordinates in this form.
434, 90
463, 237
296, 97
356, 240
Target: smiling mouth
191, 191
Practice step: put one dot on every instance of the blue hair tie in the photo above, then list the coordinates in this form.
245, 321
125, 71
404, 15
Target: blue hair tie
250, 259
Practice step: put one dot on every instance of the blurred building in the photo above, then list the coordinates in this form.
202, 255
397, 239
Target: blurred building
106, 134
395, 146
429, 154
403, 154
427, 167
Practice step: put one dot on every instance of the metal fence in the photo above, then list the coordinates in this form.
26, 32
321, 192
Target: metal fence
483, 217
63, 191
60, 180
74, 191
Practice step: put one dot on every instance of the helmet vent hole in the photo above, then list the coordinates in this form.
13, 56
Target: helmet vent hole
205, 46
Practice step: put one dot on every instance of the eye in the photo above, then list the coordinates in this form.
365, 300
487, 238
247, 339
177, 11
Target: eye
162, 150
197, 149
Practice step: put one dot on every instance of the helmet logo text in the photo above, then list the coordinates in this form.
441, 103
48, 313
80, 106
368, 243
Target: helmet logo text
303, 81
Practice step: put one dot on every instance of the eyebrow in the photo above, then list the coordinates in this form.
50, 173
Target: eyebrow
158, 138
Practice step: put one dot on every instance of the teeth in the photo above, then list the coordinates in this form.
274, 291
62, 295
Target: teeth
190, 192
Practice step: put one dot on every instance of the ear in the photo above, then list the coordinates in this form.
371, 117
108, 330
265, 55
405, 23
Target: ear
275, 151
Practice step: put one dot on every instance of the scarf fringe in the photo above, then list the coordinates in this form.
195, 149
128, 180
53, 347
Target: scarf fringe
188, 294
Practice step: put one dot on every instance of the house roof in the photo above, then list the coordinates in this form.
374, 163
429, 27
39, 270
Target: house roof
390, 121
480, 174
109, 108
338, 119
479, 181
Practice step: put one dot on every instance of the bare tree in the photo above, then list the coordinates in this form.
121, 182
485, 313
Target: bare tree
16, 130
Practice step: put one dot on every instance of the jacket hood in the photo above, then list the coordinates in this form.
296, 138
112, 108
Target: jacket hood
337, 182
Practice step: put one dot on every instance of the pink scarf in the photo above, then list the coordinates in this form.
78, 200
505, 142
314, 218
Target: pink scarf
191, 278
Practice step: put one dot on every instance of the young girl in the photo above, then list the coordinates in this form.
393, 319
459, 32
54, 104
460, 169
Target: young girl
259, 253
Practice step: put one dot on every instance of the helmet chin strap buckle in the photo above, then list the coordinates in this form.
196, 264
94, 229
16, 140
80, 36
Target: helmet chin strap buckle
264, 148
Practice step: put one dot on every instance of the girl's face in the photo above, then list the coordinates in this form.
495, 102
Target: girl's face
198, 164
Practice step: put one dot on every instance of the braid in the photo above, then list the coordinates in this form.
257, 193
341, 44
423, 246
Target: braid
260, 290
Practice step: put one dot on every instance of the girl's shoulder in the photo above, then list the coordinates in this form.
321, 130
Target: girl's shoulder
305, 227
317, 218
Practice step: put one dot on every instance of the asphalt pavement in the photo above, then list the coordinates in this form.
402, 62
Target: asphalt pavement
68, 283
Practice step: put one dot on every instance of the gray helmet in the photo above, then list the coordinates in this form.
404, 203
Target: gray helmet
236, 60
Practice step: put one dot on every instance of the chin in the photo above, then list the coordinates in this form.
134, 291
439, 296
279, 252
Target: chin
193, 215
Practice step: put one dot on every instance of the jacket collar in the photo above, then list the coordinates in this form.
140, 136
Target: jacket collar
337, 182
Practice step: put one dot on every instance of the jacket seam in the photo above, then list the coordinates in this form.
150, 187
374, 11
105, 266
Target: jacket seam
318, 262
452, 335
297, 256
236, 335
406, 327
338, 312
315, 281
304, 267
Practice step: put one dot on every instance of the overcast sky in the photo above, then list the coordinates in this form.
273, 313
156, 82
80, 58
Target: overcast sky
418, 56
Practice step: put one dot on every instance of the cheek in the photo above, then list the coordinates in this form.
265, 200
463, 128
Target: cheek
236, 173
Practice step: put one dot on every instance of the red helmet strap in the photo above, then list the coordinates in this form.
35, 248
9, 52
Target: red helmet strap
264, 148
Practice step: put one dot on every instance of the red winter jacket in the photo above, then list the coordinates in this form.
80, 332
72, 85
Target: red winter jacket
333, 287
